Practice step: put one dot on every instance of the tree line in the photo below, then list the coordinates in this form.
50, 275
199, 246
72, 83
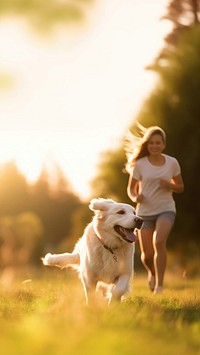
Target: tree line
38, 217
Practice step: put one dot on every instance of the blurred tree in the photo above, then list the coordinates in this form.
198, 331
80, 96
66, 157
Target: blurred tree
51, 199
80, 218
45, 14
8, 242
182, 14
14, 194
29, 234
55, 203
21, 240
111, 181
57, 182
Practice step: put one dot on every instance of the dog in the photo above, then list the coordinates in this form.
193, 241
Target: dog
104, 255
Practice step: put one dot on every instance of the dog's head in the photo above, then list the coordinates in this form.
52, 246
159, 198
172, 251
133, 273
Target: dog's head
116, 218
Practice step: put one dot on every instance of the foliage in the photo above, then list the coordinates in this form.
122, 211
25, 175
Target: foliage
44, 14
44, 17
81, 217
111, 181
13, 189
48, 315
44, 209
56, 205
182, 14
20, 239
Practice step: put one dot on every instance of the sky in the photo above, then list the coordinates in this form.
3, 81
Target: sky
74, 94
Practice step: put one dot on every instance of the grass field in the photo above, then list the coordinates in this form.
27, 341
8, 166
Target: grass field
48, 315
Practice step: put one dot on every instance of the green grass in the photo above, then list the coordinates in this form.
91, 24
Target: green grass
48, 315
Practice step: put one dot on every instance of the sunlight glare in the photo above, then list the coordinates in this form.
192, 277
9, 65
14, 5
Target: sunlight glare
76, 96
25, 150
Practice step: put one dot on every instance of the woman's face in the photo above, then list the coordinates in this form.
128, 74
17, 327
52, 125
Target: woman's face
155, 145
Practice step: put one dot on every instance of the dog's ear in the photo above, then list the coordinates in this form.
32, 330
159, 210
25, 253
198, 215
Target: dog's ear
100, 204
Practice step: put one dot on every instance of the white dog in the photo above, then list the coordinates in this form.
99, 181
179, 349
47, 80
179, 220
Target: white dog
105, 251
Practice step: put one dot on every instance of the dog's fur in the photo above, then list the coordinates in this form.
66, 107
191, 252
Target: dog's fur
105, 251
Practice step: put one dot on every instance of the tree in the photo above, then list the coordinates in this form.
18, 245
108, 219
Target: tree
45, 14
21, 240
55, 203
183, 14
51, 199
80, 219
14, 195
111, 181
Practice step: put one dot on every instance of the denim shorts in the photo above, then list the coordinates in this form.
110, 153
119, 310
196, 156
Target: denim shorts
150, 221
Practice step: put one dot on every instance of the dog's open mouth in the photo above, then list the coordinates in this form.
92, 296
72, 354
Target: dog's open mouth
126, 234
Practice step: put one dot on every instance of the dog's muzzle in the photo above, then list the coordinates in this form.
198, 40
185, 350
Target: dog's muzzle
138, 222
128, 233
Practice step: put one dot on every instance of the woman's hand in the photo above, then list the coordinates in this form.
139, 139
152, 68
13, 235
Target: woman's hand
165, 184
176, 184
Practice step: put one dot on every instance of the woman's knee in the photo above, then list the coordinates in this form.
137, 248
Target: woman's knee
159, 244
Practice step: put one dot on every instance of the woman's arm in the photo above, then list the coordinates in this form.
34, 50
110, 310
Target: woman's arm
176, 185
132, 190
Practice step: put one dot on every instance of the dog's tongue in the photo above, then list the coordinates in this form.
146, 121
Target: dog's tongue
129, 235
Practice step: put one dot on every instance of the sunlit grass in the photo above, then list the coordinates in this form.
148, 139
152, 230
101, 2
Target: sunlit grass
49, 315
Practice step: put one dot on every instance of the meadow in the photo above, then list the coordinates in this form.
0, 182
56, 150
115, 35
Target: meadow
47, 315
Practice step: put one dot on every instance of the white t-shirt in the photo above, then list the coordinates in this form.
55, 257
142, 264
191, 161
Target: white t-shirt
156, 199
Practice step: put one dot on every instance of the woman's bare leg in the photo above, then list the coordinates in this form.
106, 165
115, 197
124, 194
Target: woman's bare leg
147, 254
161, 233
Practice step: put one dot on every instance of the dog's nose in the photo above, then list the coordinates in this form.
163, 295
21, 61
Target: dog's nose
138, 221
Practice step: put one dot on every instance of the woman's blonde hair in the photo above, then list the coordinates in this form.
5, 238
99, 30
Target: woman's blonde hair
136, 145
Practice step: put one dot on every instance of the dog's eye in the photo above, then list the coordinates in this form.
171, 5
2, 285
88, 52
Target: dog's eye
121, 212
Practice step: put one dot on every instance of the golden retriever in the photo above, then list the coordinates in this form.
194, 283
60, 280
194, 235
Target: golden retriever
105, 252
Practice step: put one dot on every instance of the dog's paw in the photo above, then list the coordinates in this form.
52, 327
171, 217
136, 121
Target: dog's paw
47, 259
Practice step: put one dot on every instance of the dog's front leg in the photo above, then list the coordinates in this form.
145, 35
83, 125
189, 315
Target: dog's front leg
121, 287
89, 291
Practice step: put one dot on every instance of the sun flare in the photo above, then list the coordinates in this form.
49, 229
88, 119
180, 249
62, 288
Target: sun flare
76, 96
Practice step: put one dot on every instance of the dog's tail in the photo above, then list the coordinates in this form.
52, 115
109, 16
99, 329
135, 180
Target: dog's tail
62, 260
